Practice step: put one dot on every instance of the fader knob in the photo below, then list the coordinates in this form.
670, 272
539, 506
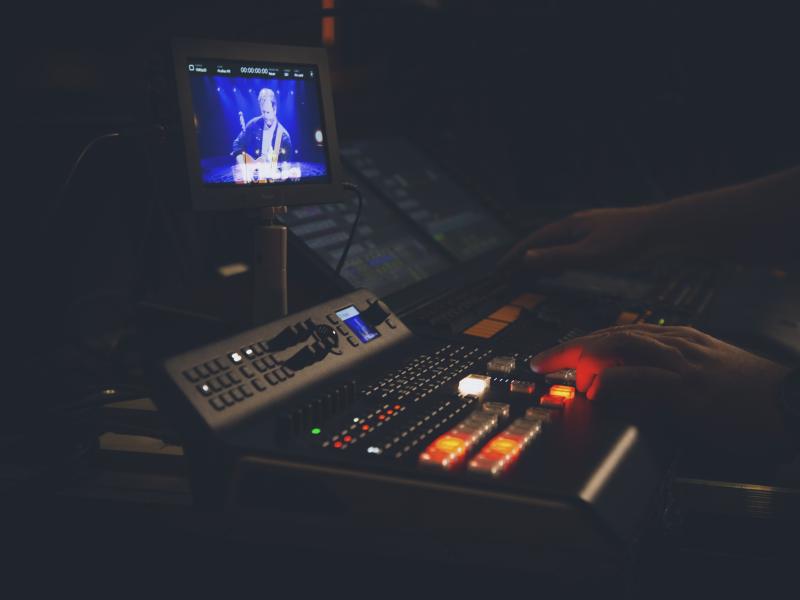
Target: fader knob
306, 356
327, 335
376, 314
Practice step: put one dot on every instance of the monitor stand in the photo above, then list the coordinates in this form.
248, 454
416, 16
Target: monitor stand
270, 298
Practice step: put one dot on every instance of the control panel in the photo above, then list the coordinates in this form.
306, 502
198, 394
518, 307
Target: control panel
260, 372
345, 400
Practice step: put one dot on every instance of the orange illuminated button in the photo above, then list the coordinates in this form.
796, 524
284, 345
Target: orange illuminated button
552, 401
487, 328
507, 314
497, 454
505, 447
445, 451
450, 448
564, 391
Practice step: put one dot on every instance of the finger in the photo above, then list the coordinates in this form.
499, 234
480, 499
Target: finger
563, 356
554, 233
621, 348
659, 331
598, 351
634, 384
558, 258
635, 348
590, 366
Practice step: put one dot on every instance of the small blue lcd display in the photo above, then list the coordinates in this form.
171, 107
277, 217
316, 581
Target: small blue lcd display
352, 318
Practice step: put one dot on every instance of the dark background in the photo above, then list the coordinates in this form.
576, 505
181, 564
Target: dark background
539, 107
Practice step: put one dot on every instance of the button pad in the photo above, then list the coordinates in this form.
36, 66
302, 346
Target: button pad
503, 449
449, 449
251, 367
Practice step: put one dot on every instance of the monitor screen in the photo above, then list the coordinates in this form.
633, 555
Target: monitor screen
257, 123
448, 214
352, 318
416, 222
388, 252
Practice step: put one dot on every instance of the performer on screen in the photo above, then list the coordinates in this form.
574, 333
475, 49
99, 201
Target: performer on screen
263, 138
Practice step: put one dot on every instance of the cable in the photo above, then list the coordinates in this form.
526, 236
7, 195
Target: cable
354, 188
53, 212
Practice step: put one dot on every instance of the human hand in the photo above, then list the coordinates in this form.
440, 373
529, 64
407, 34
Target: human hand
714, 392
592, 238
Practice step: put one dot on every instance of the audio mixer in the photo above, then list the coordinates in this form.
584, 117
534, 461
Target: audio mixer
342, 410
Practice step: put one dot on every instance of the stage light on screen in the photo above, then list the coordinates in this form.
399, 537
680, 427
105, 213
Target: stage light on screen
231, 148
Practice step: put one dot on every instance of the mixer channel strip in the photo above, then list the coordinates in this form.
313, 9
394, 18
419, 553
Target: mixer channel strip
404, 414
504, 448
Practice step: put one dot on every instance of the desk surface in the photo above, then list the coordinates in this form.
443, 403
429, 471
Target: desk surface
133, 500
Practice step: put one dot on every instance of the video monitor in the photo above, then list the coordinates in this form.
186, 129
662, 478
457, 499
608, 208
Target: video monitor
258, 124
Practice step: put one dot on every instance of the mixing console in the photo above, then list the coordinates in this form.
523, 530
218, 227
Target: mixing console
347, 398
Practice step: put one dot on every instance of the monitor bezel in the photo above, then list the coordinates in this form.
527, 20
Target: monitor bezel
208, 197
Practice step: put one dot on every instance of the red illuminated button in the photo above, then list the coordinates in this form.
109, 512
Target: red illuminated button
347, 438
337, 444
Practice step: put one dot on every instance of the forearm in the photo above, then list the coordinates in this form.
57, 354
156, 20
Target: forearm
757, 220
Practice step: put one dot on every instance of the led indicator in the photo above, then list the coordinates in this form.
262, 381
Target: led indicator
397, 407
348, 438
661, 321
316, 431
381, 417
337, 444
365, 427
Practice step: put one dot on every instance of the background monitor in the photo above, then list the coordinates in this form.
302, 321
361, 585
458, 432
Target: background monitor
258, 125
